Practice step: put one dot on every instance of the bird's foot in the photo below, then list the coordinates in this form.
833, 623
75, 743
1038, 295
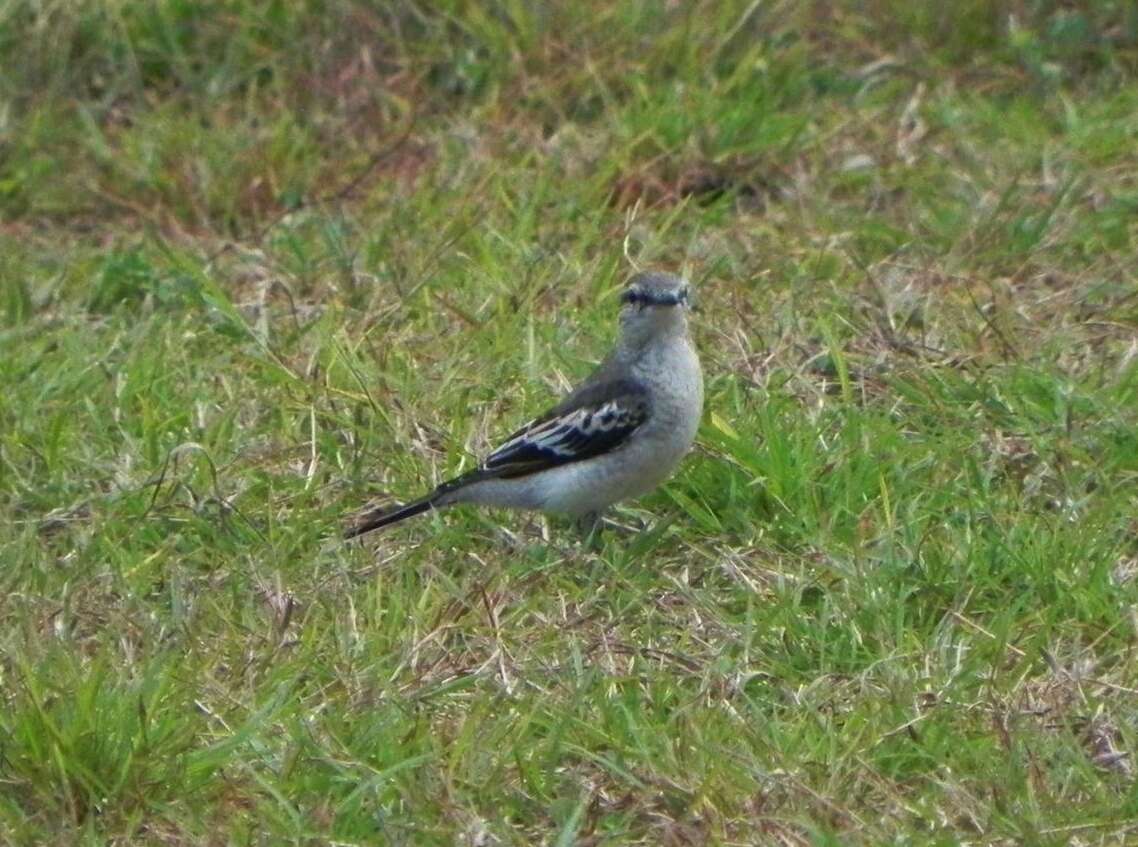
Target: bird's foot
589, 525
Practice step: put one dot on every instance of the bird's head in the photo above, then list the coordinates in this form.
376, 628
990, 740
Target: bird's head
654, 303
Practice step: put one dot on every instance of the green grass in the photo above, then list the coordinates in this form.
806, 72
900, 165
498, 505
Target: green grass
262, 262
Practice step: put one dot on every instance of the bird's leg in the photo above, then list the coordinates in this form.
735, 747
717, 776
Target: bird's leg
589, 525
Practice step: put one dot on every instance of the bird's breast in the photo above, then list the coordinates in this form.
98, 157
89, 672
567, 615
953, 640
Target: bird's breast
676, 387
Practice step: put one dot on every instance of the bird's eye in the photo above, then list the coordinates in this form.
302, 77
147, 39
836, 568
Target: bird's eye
632, 296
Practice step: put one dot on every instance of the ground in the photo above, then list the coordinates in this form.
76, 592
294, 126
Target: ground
265, 262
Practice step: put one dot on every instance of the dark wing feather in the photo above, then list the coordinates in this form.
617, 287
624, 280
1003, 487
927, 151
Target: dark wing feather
593, 420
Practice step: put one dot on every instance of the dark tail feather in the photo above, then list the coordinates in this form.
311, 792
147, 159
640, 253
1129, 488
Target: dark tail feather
385, 517
379, 518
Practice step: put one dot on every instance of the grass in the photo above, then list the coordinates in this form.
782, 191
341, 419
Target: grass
262, 262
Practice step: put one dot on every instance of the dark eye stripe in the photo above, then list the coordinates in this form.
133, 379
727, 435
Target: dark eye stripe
636, 295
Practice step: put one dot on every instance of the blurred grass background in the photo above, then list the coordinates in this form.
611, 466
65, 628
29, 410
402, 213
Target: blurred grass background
261, 261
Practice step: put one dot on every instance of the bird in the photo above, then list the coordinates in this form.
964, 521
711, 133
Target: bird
616, 436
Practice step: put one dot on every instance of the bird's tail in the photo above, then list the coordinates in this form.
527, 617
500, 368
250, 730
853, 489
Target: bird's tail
444, 495
378, 518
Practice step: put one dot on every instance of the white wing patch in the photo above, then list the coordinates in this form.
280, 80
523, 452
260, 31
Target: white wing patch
577, 434
563, 435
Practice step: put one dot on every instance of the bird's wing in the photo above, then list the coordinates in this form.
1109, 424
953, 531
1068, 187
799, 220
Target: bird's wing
596, 419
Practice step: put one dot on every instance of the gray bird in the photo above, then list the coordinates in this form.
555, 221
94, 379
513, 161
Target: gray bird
618, 435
